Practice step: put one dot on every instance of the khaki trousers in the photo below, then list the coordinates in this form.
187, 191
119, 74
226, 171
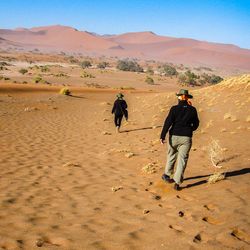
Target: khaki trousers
178, 149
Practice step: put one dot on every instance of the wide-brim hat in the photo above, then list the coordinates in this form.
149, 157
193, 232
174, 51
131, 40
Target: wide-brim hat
120, 95
184, 92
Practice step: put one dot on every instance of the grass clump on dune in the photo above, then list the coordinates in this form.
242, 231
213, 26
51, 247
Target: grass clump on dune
65, 91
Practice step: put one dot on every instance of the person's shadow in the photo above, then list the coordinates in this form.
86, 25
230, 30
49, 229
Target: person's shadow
227, 175
138, 129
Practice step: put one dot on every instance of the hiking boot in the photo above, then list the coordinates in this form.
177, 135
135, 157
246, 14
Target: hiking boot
167, 178
177, 187
117, 129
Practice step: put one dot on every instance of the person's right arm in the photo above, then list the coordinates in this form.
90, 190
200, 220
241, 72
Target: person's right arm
113, 109
167, 124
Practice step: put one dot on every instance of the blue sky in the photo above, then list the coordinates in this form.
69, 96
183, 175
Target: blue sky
224, 21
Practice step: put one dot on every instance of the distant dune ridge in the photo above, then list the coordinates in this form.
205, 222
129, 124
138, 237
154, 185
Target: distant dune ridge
142, 45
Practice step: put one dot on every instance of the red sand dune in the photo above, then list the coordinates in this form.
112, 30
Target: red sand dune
143, 45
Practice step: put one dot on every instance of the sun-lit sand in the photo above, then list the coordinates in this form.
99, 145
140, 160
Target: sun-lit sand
69, 181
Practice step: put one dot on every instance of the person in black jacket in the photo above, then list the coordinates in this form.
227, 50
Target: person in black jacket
181, 121
120, 110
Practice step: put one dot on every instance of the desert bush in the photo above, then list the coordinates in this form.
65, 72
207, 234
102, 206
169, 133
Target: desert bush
150, 71
85, 64
216, 153
72, 59
216, 156
126, 65
23, 71
37, 79
44, 68
188, 78
215, 79
5, 64
64, 91
169, 70
210, 79
102, 65
61, 74
87, 75
149, 80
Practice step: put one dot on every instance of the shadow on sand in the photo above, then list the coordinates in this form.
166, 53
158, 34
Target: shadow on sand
75, 96
137, 129
227, 175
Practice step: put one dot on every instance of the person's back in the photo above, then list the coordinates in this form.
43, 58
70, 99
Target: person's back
184, 119
119, 110
119, 107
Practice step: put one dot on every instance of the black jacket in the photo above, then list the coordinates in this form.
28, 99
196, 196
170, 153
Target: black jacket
182, 119
120, 108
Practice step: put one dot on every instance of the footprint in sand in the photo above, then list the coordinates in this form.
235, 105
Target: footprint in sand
210, 207
185, 198
212, 221
241, 235
176, 228
197, 238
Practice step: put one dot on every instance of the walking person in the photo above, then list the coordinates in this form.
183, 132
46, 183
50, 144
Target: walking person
119, 110
181, 121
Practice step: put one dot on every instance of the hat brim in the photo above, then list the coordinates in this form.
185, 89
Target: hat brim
189, 96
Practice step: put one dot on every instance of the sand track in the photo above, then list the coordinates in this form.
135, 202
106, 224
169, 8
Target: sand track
65, 184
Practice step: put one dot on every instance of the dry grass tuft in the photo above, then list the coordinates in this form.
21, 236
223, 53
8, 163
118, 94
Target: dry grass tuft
218, 176
150, 168
216, 153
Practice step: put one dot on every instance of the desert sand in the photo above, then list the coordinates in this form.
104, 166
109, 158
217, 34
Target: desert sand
69, 181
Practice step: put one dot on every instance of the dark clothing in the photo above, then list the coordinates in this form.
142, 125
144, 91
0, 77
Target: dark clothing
120, 108
183, 120
118, 121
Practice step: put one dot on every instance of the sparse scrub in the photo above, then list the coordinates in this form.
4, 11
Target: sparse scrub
44, 68
23, 71
61, 74
37, 79
126, 65
85, 64
188, 78
169, 70
216, 155
102, 65
65, 91
149, 80
150, 71
87, 75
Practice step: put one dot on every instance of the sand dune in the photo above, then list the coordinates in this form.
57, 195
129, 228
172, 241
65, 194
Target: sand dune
142, 45
68, 181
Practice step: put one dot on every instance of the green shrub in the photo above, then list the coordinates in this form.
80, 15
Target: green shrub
149, 80
150, 71
23, 71
188, 78
64, 91
61, 74
126, 65
37, 79
85, 64
87, 75
102, 65
169, 70
44, 68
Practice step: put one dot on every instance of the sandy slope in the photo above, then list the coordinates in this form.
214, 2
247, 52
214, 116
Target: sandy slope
60, 159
